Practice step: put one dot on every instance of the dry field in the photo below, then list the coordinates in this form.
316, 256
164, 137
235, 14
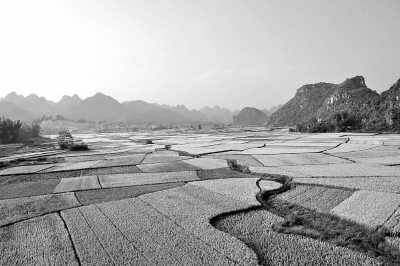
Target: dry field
177, 201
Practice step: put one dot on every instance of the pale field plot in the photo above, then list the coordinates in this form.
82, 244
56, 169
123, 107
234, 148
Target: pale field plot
317, 198
110, 170
236, 146
161, 157
89, 247
27, 188
378, 184
299, 159
242, 159
118, 193
386, 155
133, 159
214, 147
385, 139
38, 241
284, 149
202, 150
302, 143
13, 210
26, 169
241, 189
119, 249
294, 193
77, 183
352, 146
222, 173
166, 167
207, 163
370, 208
197, 143
372, 153
324, 137
122, 180
85, 158
98, 151
72, 166
29, 155
331, 170
387, 160
392, 142
276, 170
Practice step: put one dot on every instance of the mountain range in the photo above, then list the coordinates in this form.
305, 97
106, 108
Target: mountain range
101, 107
322, 100
312, 101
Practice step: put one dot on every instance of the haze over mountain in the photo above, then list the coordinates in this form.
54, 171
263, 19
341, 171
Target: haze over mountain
101, 107
319, 100
12, 111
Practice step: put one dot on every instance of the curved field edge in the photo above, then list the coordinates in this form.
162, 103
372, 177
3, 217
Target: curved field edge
291, 219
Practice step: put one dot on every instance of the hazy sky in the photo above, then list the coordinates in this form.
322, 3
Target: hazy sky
207, 52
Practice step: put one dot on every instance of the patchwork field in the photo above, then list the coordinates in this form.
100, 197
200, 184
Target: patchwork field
204, 198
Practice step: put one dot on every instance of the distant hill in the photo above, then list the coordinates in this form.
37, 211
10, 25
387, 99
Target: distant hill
143, 112
271, 110
33, 104
321, 100
101, 107
12, 111
250, 116
217, 113
68, 102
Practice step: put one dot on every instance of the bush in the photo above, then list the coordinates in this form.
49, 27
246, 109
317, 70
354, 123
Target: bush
395, 116
344, 121
9, 130
313, 126
338, 122
15, 131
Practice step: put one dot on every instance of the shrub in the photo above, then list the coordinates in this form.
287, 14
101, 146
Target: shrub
395, 116
344, 121
15, 131
338, 122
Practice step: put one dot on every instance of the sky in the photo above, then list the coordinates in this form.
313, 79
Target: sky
210, 52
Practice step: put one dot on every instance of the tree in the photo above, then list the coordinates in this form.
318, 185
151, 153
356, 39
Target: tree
344, 121
395, 116
9, 130
35, 130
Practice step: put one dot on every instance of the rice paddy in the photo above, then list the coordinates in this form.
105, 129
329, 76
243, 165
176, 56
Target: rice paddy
198, 201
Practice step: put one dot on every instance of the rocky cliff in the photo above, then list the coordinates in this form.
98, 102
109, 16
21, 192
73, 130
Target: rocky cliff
321, 100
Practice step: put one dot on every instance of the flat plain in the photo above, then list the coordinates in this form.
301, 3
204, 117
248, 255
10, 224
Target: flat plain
192, 198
